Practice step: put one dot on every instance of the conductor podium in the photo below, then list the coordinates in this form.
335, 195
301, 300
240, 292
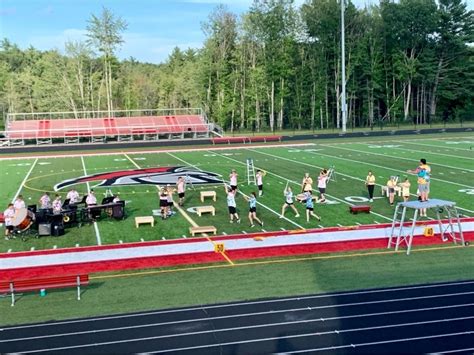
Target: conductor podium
402, 232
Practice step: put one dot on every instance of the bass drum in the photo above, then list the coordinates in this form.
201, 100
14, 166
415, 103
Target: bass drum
23, 219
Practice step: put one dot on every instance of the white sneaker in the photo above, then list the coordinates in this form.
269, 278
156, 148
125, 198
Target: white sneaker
252, 225
238, 221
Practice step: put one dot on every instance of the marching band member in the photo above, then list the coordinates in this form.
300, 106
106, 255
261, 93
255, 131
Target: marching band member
259, 177
181, 187
252, 200
91, 199
288, 193
45, 201
233, 179
307, 184
164, 203
231, 205
73, 196
322, 183
57, 205
310, 206
19, 203
8, 214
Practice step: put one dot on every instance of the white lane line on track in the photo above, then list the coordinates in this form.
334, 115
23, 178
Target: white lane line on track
96, 227
239, 304
24, 180
446, 320
209, 319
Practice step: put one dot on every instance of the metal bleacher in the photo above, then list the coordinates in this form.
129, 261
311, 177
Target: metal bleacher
105, 126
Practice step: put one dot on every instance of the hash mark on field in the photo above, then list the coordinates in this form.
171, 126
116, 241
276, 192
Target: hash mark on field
163, 238
320, 226
224, 233
142, 240
377, 222
263, 230
184, 236
120, 241
283, 229
55, 247
340, 225
358, 224
77, 245
9, 251
244, 232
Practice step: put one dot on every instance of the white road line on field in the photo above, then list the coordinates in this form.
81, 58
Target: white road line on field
96, 227
396, 157
435, 146
133, 161
425, 152
24, 180
156, 151
261, 204
315, 166
381, 166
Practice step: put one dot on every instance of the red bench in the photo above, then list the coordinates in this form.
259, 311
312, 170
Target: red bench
28, 285
229, 140
265, 139
360, 208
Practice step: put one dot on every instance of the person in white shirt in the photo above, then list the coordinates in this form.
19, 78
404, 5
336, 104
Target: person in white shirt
57, 204
73, 196
116, 199
231, 205
45, 201
181, 187
91, 199
289, 201
8, 215
322, 183
233, 180
307, 184
19, 203
259, 177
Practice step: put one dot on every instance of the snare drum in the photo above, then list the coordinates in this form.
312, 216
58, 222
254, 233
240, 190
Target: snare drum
22, 219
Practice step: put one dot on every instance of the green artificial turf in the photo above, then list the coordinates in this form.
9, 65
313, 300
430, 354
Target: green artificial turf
450, 157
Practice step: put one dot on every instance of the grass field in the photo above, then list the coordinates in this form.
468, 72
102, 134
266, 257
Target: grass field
450, 157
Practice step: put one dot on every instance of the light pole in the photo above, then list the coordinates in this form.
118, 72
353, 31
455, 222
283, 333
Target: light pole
343, 74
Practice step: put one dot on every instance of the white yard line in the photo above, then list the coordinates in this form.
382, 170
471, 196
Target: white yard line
381, 166
349, 176
436, 146
425, 152
297, 183
240, 192
394, 157
183, 213
24, 180
96, 227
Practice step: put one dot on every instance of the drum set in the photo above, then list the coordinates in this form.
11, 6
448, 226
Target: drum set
22, 221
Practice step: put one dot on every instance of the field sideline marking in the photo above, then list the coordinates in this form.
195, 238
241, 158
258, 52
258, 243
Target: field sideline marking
394, 157
315, 166
288, 259
121, 152
96, 227
24, 180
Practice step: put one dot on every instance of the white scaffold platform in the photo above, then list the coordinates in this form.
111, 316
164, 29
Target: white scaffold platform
402, 233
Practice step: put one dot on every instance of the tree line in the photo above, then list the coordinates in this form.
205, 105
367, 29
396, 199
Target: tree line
275, 66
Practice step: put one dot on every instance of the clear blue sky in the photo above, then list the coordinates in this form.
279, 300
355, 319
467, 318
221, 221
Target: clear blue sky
155, 27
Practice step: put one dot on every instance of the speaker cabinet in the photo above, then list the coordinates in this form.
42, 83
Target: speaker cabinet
44, 229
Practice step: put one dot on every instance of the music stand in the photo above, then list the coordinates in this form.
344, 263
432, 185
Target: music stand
107, 200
